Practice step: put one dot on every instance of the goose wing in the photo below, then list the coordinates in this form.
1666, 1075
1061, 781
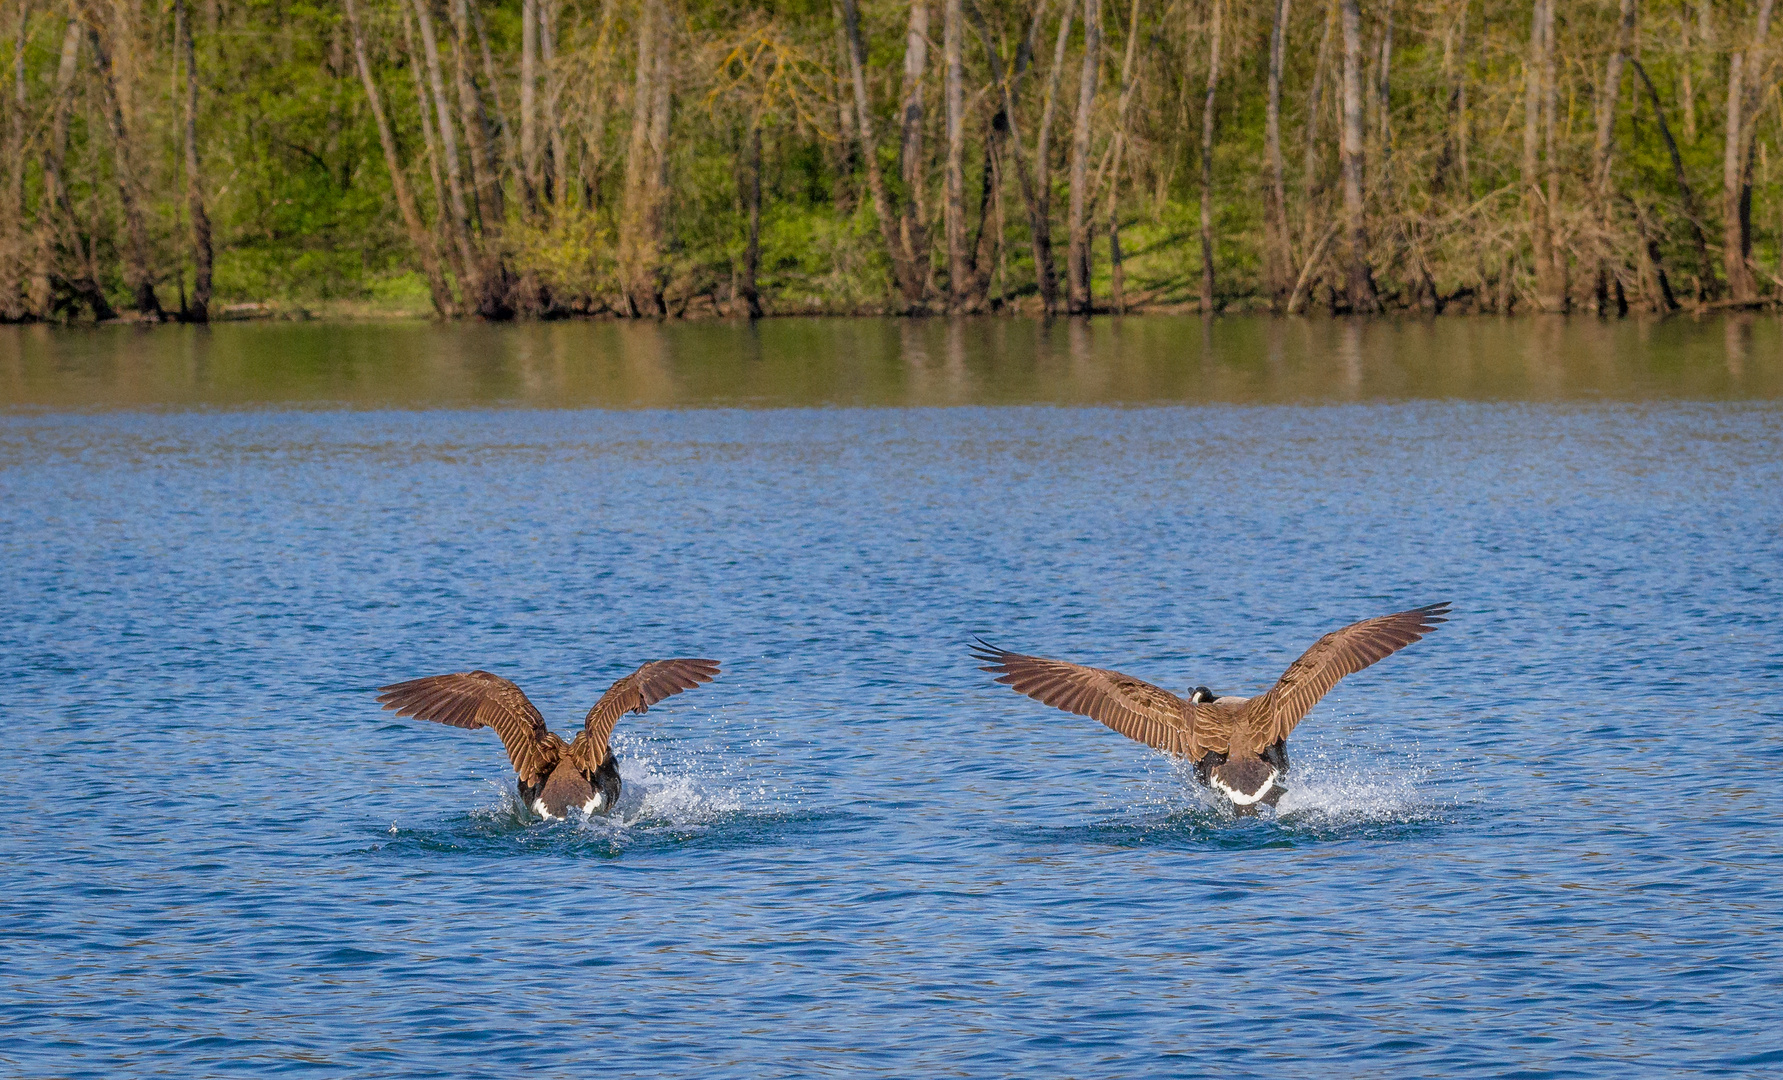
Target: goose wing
635, 693
474, 699
1339, 653
1135, 708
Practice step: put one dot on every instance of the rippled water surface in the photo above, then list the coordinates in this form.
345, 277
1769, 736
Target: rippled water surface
1543, 842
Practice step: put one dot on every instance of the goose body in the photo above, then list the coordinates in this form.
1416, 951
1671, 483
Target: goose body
554, 776
1237, 744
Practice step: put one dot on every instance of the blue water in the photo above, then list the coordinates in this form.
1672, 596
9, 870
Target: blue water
1546, 841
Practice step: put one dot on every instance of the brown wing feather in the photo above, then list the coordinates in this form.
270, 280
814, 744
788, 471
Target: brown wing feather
635, 693
1339, 653
1133, 707
474, 699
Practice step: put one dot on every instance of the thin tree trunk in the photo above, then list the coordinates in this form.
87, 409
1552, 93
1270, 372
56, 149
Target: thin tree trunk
1361, 279
656, 193
1047, 275
904, 268
139, 274
1077, 262
470, 267
913, 223
1276, 254
1560, 298
419, 237
1033, 189
56, 201
1454, 131
430, 139
497, 125
559, 173
12, 219
479, 138
1117, 273
987, 242
1705, 266
1541, 235
1736, 173
1213, 82
751, 181
638, 241
959, 273
529, 78
199, 309
1603, 148
1309, 172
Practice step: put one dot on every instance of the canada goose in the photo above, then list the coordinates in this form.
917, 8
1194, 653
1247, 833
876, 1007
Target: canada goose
1238, 745
554, 775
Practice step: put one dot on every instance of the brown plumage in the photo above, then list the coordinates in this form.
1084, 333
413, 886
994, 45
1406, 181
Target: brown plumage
1238, 745
554, 775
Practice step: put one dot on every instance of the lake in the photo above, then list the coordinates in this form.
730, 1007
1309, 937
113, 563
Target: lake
1547, 841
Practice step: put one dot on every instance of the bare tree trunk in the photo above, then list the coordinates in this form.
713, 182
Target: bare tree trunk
1454, 131
987, 243
1309, 173
419, 236
559, 173
1361, 280
1077, 262
904, 269
1277, 256
959, 274
1045, 273
640, 223
656, 193
1705, 266
1549, 295
139, 274
529, 78
1736, 174
56, 202
1561, 298
1603, 148
199, 309
636, 249
509, 156
1034, 188
12, 218
913, 223
1213, 82
751, 181
442, 227
470, 267
1117, 273
479, 138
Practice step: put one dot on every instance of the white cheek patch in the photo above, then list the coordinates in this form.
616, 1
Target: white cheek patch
594, 804
1240, 797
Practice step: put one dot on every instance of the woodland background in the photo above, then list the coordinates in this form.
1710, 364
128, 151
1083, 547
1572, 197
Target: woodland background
649, 158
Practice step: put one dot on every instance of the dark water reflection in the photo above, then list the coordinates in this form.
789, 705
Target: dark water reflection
1546, 842
887, 362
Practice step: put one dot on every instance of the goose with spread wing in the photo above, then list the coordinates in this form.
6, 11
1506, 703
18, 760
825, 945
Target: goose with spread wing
1238, 745
554, 775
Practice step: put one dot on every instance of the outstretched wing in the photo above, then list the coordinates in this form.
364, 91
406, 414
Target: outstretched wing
1133, 707
474, 699
1339, 653
635, 693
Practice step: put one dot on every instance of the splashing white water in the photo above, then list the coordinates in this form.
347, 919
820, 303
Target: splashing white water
1352, 787
1386, 788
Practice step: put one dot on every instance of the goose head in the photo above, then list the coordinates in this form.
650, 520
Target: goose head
1201, 695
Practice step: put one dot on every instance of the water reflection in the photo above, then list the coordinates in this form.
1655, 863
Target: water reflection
821, 362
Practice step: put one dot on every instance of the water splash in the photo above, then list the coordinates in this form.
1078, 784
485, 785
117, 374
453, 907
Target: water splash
1380, 789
